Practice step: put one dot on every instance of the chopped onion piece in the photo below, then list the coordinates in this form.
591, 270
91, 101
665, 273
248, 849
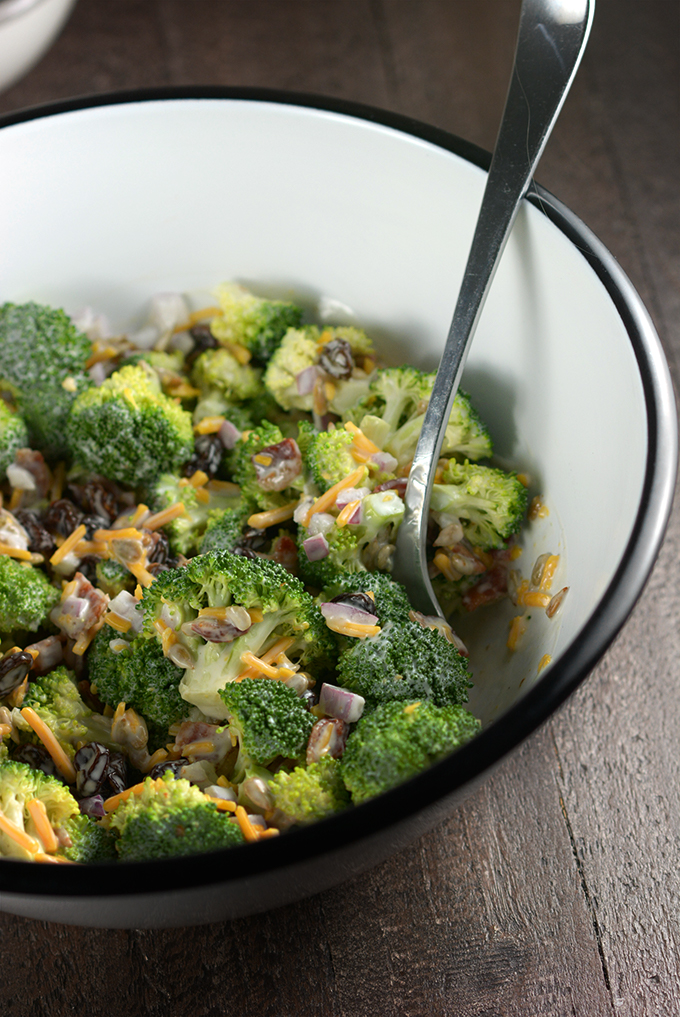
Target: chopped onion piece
315, 547
304, 381
341, 704
351, 494
20, 478
125, 606
385, 462
229, 434
321, 522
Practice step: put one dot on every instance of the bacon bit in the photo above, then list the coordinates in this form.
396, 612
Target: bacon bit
537, 509
249, 832
261, 520
69, 544
548, 572
15, 552
518, 627
347, 513
209, 425
24, 840
165, 516
327, 500
543, 662
38, 813
49, 740
99, 354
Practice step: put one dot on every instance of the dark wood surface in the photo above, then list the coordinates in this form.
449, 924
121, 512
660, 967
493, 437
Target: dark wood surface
556, 888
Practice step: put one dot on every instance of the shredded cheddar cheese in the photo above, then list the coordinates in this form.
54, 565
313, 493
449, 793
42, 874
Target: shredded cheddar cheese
69, 544
47, 737
209, 425
261, 520
327, 500
24, 840
165, 516
15, 552
38, 813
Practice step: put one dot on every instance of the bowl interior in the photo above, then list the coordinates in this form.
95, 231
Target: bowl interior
105, 206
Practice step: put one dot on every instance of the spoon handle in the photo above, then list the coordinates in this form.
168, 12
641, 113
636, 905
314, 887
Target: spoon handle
551, 40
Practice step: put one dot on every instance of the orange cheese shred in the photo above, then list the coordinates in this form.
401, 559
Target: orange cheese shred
24, 840
209, 425
165, 516
69, 544
38, 813
247, 829
49, 740
261, 520
15, 552
327, 500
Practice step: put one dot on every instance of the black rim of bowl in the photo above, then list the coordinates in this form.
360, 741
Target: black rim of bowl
469, 763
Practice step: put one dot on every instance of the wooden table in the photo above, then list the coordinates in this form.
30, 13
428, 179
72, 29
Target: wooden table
556, 888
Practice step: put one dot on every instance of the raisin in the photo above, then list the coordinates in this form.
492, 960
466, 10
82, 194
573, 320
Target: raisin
39, 540
13, 669
336, 359
62, 517
208, 451
203, 340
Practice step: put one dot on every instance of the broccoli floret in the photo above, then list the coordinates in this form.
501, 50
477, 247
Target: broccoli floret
112, 577
489, 503
213, 404
170, 817
13, 436
254, 322
405, 661
42, 364
396, 395
220, 579
268, 719
127, 430
57, 701
218, 369
398, 740
90, 842
186, 531
225, 527
328, 458
242, 469
26, 596
344, 556
296, 352
466, 434
141, 677
390, 598
308, 793
21, 784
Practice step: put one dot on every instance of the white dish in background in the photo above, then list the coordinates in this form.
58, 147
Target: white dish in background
103, 206
27, 30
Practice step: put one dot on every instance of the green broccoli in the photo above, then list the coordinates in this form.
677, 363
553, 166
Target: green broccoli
169, 818
241, 466
13, 436
254, 322
296, 352
90, 842
219, 370
112, 577
141, 677
186, 531
213, 404
405, 661
344, 556
42, 365
390, 598
225, 527
127, 430
57, 701
489, 503
19, 785
328, 459
268, 719
466, 435
308, 793
396, 395
398, 740
220, 579
26, 596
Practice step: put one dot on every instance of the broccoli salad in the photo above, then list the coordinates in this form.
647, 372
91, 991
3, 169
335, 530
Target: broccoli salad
201, 642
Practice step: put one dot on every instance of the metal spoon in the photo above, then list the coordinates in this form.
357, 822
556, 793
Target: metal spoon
551, 40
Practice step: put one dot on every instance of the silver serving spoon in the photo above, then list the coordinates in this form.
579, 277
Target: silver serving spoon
551, 40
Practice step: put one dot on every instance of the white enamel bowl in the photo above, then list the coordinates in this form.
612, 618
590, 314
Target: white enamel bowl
27, 30
367, 217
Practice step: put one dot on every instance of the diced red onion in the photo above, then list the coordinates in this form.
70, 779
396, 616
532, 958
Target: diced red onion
349, 613
98, 373
304, 381
315, 547
351, 494
341, 704
321, 522
229, 434
385, 462
357, 516
92, 807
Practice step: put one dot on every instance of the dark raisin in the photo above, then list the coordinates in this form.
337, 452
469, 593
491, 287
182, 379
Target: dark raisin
336, 358
97, 498
276, 466
175, 766
13, 669
208, 452
37, 757
255, 540
39, 540
203, 340
309, 699
92, 763
160, 551
117, 773
62, 517
88, 568
398, 485
361, 601
156, 567
244, 552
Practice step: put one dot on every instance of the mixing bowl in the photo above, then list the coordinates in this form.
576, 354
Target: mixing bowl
27, 29
363, 217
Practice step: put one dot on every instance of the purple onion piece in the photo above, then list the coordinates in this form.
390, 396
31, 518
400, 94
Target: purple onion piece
347, 612
93, 807
229, 434
305, 380
351, 494
385, 462
341, 704
315, 547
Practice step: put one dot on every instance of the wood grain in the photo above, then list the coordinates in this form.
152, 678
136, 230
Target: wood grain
555, 889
